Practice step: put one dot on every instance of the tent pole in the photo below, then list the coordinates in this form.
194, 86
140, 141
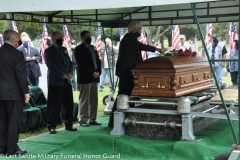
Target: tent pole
105, 46
113, 60
214, 75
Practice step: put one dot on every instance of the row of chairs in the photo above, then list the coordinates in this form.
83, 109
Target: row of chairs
35, 112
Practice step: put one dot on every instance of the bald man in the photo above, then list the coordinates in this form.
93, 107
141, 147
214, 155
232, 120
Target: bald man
60, 95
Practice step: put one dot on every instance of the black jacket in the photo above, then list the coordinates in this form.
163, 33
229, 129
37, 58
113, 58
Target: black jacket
13, 79
130, 54
57, 65
85, 66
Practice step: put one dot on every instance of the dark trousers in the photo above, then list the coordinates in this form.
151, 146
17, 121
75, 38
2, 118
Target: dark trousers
32, 79
125, 86
10, 123
60, 101
234, 77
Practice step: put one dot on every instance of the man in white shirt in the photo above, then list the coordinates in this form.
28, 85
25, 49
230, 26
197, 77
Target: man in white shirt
183, 45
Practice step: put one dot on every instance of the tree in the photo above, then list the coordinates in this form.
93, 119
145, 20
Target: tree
155, 32
3, 26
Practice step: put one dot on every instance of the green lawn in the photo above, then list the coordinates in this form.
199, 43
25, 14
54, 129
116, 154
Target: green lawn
101, 108
100, 113
227, 79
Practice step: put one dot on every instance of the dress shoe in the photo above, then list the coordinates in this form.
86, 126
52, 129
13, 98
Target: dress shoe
52, 131
94, 123
19, 152
84, 124
70, 129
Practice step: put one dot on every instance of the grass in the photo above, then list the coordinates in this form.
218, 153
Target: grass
227, 80
101, 107
100, 113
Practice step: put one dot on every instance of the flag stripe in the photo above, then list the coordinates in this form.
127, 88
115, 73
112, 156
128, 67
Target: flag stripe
66, 38
98, 41
208, 33
175, 36
44, 42
14, 26
233, 34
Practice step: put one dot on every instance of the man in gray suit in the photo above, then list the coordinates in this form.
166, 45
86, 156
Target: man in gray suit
60, 95
32, 60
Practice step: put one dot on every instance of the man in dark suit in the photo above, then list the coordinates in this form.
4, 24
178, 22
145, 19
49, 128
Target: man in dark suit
60, 96
89, 70
13, 93
129, 56
32, 60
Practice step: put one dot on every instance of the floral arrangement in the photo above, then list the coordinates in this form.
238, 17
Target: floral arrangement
180, 52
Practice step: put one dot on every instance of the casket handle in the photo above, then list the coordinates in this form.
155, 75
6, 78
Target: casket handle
147, 85
159, 85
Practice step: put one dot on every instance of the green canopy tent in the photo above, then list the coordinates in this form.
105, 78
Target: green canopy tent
115, 14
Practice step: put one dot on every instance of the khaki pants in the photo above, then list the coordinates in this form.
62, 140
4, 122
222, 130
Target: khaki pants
88, 102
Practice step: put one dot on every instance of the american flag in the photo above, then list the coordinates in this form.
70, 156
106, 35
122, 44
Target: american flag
208, 33
98, 41
143, 40
44, 42
66, 37
121, 33
233, 34
14, 26
175, 36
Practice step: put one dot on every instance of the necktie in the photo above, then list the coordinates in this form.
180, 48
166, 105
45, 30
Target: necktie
28, 52
93, 56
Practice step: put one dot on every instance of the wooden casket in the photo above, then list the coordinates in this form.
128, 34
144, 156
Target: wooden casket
171, 76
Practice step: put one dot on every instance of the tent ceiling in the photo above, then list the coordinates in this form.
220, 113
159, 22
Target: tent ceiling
110, 15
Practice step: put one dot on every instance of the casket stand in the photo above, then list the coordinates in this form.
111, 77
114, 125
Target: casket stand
159, 84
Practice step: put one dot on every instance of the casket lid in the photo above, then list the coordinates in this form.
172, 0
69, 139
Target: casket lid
172, 64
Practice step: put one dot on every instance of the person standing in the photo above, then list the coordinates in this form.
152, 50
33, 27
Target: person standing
153, 54
32, 60
1, 40
89, 70
129, 56
217, 50
183, 45
13, 93
60, 95
107, 64
74, 63
233, 66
